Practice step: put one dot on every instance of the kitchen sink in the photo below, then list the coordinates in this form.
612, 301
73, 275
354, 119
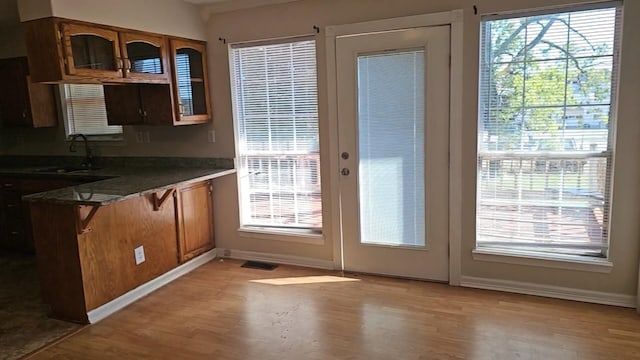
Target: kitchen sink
63, 169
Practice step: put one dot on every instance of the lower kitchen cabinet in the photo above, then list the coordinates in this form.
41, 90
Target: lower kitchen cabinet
89, 255
15, 224
194, 219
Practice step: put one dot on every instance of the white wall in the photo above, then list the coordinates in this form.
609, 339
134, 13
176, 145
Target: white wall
11, 36
171, 17
297, 18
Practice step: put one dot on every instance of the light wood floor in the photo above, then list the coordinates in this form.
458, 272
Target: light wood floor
219, 311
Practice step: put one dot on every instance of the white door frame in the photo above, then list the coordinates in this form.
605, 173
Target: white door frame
454, 19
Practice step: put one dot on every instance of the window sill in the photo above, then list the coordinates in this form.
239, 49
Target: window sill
108, 139
566, 262
290, 235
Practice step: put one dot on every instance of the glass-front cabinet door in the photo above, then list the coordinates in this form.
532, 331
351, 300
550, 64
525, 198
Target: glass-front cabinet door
145, 57
191, 87
91, 51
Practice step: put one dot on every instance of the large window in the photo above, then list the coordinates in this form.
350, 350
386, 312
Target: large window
545, 131
276, 124
85, 112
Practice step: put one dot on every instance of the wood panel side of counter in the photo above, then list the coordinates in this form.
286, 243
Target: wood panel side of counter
58, 260
107, 249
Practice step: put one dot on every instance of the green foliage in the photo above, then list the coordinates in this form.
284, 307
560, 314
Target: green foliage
532, 71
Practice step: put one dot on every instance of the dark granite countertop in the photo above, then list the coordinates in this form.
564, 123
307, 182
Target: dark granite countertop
109, 185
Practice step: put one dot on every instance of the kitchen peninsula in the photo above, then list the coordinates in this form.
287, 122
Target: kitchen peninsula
99, 245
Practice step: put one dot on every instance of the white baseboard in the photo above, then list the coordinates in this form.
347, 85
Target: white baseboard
558, 292
120, 302
276, 258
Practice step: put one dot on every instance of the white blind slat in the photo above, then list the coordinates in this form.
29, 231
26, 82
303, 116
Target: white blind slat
544, 143
85, 110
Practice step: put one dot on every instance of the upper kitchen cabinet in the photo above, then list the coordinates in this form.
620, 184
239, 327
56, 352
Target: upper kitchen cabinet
62, 50
191, 86
91, 51
184, 102
23, 103
145, 57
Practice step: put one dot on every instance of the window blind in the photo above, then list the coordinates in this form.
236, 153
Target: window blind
276, 118
546, 120
85, 110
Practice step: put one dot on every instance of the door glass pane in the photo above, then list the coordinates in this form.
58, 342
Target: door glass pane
92, 52
191, 81
391, 148
145, 58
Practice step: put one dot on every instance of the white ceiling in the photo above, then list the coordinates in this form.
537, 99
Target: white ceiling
203, 2
217, 6
9, 8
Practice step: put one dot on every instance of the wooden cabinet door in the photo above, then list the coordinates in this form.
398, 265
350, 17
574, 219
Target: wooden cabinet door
138, 104
194, 215
23, 103
145, 57
12, 232
42, 105
156, 103
14, 94
190, 80
91, 51
123, 104
15, 233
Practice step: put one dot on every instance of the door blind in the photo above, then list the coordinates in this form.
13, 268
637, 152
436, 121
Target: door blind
545, 149
276, 118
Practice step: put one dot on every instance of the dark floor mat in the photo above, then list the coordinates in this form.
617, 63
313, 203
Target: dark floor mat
24, 325
259, 265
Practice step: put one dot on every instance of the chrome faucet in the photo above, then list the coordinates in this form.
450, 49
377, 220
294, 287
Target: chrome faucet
88, 156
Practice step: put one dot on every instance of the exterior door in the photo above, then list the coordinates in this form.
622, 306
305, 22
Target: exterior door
393, 115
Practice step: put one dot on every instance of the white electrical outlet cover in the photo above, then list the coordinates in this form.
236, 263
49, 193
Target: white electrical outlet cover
139, 254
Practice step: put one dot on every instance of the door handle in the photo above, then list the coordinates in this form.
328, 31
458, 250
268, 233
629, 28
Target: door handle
345, 171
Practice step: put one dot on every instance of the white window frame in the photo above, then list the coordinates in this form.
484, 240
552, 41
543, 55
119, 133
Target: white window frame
305, 235
69, 128
550, 260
